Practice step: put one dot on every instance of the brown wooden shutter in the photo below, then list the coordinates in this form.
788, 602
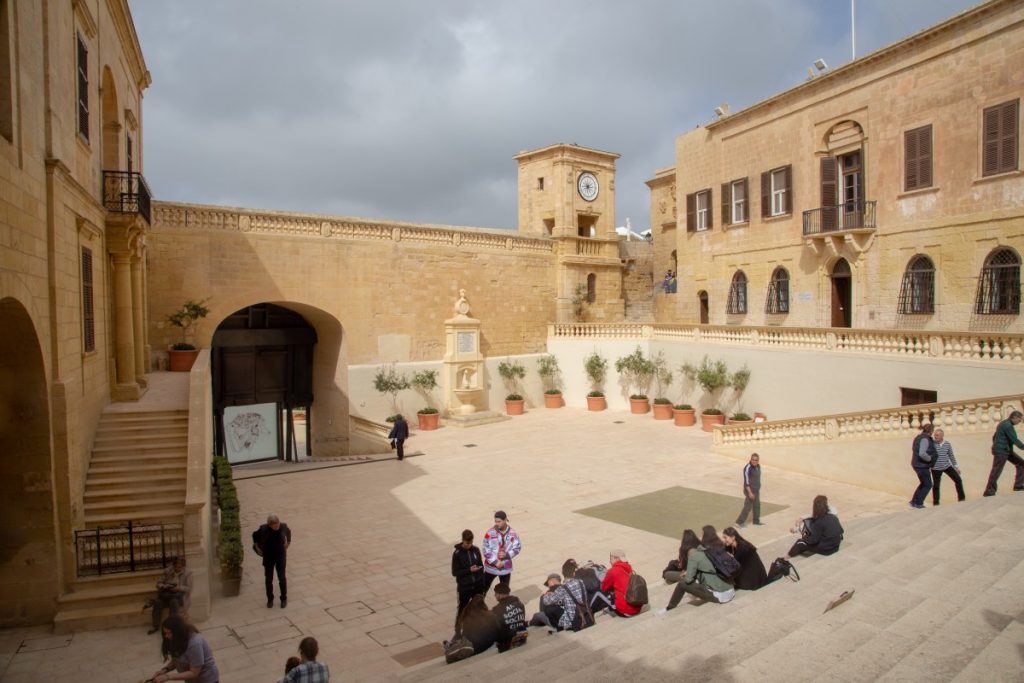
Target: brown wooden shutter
88, 304
766, 194
83, 89
691, 212
1008, 137
829, 199
710, 209
727, 216
990, 141
746, 199
924, 157
789, 190
910, 160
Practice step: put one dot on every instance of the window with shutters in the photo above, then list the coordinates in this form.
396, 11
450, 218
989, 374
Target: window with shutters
703, 209
917, 158
999, 284
591, 288
738, 201
917, 293
777, 299
1000, 138
737, 303
83, 88
88, 303
776, 192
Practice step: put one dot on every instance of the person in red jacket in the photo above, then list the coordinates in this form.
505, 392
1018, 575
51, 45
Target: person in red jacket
617, 579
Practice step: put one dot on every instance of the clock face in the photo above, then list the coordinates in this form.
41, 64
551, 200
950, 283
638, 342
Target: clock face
587, 186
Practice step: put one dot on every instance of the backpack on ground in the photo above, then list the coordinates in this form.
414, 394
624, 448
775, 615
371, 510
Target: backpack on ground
636, 591
457, 649
724, 563
588, 576
782, 567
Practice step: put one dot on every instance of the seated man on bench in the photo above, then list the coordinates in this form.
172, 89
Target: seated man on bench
173, 591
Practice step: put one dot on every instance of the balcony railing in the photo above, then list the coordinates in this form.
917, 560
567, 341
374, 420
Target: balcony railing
859, 215
126, 192
130, 548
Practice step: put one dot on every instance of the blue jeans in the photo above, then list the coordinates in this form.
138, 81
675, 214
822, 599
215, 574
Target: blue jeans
925, 477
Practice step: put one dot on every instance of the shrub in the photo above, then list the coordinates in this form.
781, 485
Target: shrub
741, 417
389, 381
596, 394
513, 397
427, 411
638, 397
229, 537
662, 375
663, 401
185, 318
547, 368
511, 371
712, 411
636, 369
596, 367
712, 376
424, 380
553, 392
683, 406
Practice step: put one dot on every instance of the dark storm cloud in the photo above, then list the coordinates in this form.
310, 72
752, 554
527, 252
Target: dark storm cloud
412, 110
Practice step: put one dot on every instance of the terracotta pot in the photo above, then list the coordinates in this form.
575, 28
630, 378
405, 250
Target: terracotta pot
684, 418
552, 400
182, 361
708, 422
428, 421
662, 411
230, 586
514, 407
639, 406
764, 418
596, 403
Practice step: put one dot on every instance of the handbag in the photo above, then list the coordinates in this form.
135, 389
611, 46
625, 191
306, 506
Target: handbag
782, 567
457, 649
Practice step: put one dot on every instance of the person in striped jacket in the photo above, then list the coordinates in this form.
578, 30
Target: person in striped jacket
501, 544
945, 462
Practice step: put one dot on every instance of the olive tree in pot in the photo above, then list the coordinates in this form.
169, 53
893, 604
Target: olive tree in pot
636, 371
547, 368
739, 381
182, 355
424, 382
711, 376
512, 372
662, 381
596, 367
389, 382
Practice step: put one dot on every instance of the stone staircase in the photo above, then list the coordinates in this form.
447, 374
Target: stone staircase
937, 598
137, 473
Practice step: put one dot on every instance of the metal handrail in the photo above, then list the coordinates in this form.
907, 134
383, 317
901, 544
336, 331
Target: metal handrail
129, 548
858, 215
126, 192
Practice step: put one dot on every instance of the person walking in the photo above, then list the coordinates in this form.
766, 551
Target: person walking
945, 462
921, 458
1003, 441
398, 434
501, 544
751, 491
271, 542
468, 570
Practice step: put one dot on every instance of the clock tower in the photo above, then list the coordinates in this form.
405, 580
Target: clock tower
567, 193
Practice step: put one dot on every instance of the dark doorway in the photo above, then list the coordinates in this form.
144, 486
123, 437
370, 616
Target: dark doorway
28, 544
702, 298
842, 294
261, 355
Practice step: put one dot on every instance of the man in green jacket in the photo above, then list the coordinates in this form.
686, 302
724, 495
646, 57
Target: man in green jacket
1003, 442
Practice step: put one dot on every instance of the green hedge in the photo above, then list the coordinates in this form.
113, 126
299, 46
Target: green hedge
229, 539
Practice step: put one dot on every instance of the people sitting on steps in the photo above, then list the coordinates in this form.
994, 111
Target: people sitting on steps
559, 609
479, 625
820, 533
510, 614
590, 576
173, 591
676, 568
701, 579
752, 573
617, 580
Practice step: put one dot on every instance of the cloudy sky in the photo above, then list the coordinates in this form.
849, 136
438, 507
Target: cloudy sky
412, 110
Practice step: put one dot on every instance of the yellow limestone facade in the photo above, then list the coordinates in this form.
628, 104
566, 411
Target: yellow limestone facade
860, 187
72, 290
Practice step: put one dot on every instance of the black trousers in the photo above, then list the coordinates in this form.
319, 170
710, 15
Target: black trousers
998, 462
749, 505
924, 485
952, 474
269, 565
505, 579
464, 596
172, 601
400, 448
695, 588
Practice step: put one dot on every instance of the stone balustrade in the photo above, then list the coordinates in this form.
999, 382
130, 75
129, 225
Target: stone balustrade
197, 217
975, 346
975, 415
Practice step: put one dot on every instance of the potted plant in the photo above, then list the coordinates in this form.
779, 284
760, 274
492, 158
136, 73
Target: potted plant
182, 355
389, 381
741, 419
711, 417
512, 371
662, 381
684, 415
547, 368
636, 371
596, 367
739, 381
424, 382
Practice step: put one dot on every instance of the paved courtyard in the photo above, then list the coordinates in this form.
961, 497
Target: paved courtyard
369, 564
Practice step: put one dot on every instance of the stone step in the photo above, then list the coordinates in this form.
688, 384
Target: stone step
135, 495
112, 468
114, 600
115, 615
130, 478
104, 440
164, 446
164, 499
115, 416
167, 515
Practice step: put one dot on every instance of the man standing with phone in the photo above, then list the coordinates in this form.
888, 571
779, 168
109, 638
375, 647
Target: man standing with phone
468, 570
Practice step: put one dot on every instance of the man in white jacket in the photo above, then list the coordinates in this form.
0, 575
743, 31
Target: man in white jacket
501, 544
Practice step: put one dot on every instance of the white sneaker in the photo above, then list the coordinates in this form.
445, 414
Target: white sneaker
662, 612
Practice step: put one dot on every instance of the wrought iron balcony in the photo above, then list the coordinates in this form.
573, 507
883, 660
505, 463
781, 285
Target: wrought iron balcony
126, 192
859, 215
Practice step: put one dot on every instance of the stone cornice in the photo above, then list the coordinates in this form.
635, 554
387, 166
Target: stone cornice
570, 151
125, 27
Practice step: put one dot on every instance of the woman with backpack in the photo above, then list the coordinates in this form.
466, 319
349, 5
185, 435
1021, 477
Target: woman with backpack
752, 572
702, 579
821, 533
676, 569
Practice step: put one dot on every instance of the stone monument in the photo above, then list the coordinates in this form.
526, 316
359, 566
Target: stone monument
464, 381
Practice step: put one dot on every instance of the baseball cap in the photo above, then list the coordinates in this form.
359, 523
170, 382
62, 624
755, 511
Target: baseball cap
500, 514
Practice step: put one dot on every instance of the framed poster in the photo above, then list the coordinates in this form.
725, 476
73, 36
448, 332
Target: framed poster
250, 432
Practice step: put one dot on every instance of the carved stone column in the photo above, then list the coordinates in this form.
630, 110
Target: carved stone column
127, 388
138, 322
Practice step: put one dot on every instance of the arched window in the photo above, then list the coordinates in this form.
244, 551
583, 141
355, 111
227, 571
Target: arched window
738, 294
999, 284
591, 288
917, 293
777, 300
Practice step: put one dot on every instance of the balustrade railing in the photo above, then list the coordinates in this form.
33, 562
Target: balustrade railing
125, 192
972, 346
129, 548
858, 215
170, 215
975, 415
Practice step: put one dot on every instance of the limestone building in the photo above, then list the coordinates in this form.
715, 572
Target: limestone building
886, 193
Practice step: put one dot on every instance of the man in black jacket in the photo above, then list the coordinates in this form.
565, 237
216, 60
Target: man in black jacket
468, 570
399, 433
271, 542
511, 615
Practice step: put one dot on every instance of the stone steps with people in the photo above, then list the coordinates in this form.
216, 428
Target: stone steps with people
936, 598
